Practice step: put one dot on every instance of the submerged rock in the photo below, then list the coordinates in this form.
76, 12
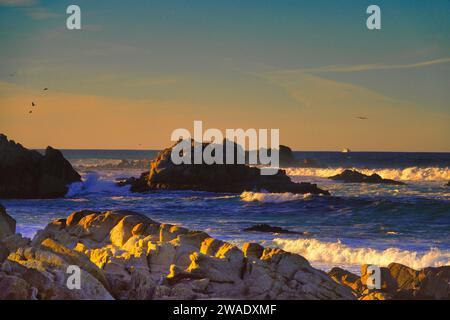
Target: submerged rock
268, 228
126, 255
28, 174
232, 178
353, 176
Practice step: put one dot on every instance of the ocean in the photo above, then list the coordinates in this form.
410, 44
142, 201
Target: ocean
359, 223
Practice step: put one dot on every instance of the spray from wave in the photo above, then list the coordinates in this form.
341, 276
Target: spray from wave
406, 174
93, 183
338, 253
273, 197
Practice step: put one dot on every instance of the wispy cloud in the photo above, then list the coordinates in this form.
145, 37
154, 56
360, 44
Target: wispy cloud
17, 3
40, 13
367, 67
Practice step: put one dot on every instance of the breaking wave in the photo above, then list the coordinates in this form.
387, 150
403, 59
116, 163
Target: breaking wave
406, 174
93, 183
338, 253
273, 197
110, 164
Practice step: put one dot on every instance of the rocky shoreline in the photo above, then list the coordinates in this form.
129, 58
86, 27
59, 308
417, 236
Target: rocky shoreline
126, 255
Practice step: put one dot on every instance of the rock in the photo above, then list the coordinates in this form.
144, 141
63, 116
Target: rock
254, 250
430, 283
268, 228
399, 282
286, 156
448, 184
346, 278
230, 178
27, 174
353, 176
126, 255
7, 224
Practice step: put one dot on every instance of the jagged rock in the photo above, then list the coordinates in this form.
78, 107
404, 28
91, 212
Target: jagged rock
127, 255
28, 174
7, 224
268, 228
398, 282
232, 178
346, 278
353, 176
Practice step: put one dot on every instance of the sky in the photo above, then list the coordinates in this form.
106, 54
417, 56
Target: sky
137, 70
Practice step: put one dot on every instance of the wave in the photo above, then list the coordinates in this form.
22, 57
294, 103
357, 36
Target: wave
273, 197
338, 253
93, 183
110, 164
406, 174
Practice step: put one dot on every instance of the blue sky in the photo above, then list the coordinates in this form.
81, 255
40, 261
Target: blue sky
306, 67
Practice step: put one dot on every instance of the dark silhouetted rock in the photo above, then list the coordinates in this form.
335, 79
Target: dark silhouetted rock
268, 228
448, 184
27, 174
232, 178
353, 176
7, 224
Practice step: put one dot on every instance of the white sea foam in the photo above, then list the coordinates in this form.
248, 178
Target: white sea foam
273, 197
336, 253
406, 174
93, 183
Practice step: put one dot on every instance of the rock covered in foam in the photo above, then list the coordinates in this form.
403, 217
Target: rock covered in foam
28, 174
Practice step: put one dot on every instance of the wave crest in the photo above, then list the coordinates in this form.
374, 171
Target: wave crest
338, 253
406, 174
273, 197
93, 183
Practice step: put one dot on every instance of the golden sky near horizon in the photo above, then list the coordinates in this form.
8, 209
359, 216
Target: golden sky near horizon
77, 121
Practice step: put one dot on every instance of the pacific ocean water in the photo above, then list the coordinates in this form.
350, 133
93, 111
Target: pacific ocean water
359, 223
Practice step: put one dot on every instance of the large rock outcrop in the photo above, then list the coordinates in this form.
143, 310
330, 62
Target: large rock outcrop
126, 255
398, 282
232, 178
353, 176
27, 174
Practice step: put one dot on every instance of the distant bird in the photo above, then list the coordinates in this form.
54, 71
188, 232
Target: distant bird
33, 104
31, 111
45, 89
362, 118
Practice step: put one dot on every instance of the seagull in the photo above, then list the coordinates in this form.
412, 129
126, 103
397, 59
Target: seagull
362, 118
45, 89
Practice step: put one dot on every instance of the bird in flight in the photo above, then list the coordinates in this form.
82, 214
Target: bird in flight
362, 118
45, 89
33, 104
31, 111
